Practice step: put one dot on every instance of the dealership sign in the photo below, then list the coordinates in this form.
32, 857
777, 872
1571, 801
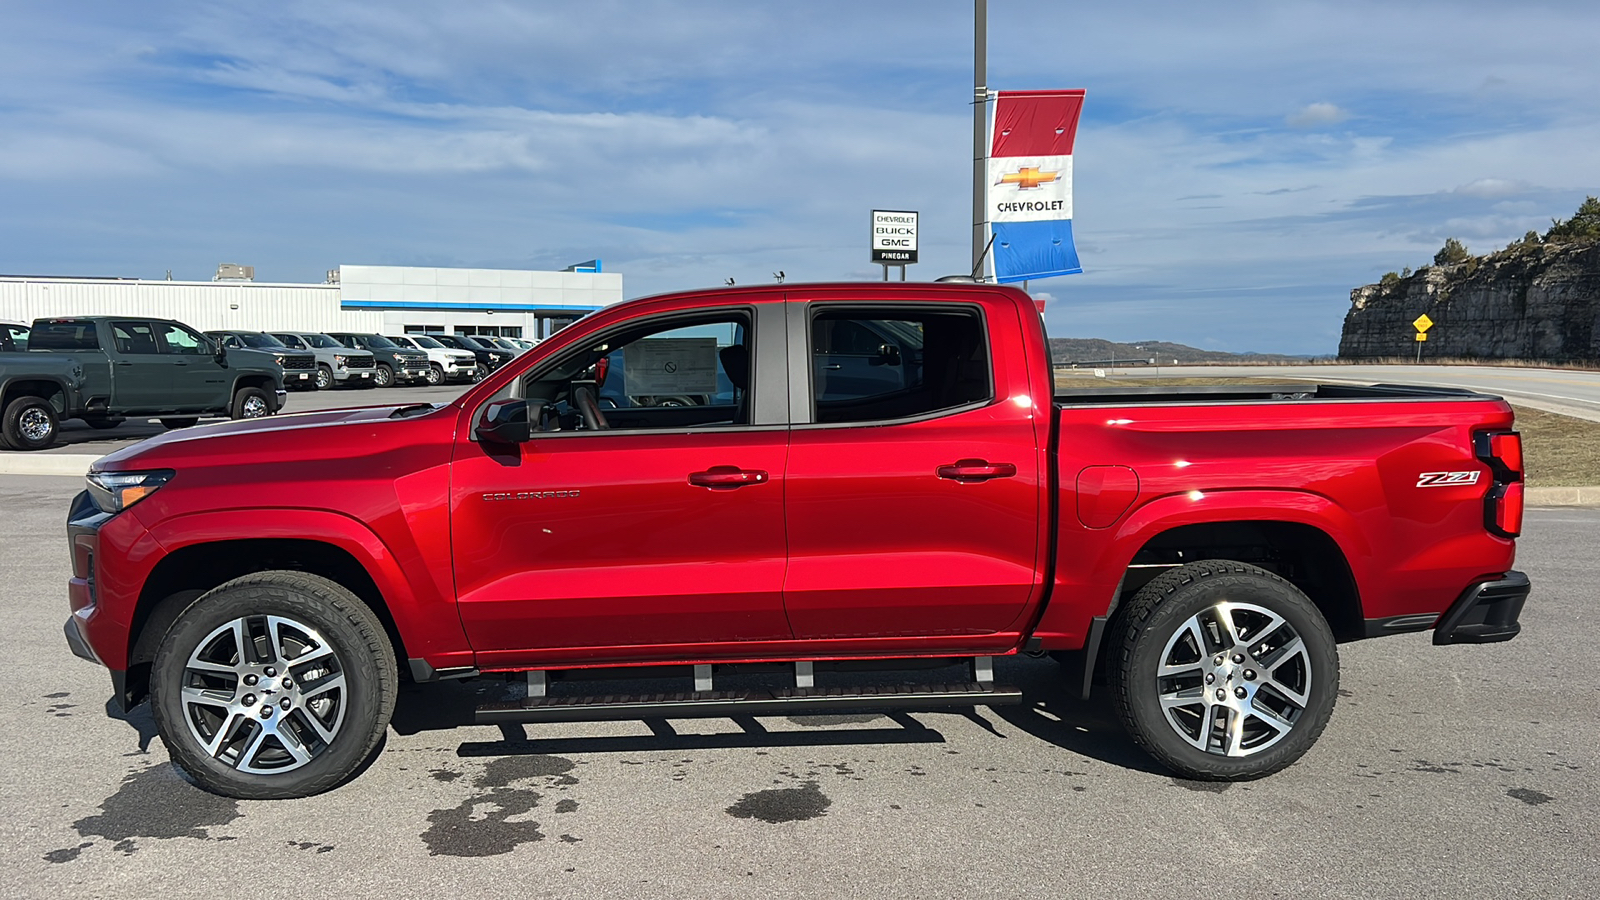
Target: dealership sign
894, 237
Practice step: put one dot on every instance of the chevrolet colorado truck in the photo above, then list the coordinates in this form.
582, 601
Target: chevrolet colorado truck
121, 366
1206, 549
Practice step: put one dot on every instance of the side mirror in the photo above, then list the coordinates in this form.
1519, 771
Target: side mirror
509, 421
888, 355
220, 353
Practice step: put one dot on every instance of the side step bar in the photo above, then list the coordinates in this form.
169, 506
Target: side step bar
717, 704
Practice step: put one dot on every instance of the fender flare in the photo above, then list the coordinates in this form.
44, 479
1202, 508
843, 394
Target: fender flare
1064, 625
428, 627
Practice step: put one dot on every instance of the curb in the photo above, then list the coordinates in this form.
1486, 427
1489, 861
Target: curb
1562, 496
70, 464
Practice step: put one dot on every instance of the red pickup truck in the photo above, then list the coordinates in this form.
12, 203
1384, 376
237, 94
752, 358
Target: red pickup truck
839, 476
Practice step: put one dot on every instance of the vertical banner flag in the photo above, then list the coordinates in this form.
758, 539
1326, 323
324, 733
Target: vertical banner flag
1030, 184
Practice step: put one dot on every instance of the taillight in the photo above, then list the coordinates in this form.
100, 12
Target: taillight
1502, 453
1508, 449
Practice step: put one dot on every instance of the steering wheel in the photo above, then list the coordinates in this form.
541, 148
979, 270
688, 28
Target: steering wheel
589, 409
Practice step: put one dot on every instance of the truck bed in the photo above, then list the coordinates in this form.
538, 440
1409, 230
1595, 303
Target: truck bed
1256, 393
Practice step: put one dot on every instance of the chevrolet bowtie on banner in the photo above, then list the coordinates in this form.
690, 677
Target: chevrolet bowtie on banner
1030, 183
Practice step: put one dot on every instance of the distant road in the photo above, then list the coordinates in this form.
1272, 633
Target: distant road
1567, 391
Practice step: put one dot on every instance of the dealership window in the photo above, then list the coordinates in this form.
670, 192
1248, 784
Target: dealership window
876, 365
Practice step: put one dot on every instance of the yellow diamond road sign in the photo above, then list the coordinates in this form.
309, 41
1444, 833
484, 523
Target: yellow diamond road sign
1423, 323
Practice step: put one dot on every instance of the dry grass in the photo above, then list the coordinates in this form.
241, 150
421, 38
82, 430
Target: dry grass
1558, 451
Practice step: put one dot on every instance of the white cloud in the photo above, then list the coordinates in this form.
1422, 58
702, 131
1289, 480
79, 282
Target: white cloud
1493, 187
1316, 115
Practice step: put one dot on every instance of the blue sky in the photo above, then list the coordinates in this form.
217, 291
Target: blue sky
1237, 171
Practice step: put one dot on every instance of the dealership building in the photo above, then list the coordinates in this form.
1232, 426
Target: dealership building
382, 299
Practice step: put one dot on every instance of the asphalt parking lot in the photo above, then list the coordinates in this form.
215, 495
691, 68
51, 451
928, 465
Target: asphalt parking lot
1446, 772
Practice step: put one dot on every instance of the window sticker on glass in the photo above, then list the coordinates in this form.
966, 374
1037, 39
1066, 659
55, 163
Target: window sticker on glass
671, 366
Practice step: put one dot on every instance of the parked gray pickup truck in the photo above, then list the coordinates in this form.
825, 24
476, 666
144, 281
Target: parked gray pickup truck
104, 369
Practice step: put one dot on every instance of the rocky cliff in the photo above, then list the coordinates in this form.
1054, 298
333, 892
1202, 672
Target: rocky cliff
1532, 301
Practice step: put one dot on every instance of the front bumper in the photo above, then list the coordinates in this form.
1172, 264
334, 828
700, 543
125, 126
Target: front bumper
1485, 613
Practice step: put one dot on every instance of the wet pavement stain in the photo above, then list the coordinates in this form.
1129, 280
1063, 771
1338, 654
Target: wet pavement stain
1207, 787
782, 804
67, 854
311, 845
152, 803
464, 831
567, 805
1529, 796
444, 775
486, 824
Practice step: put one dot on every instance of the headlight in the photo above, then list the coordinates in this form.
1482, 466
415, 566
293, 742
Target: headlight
278, 359
341, 360
114, 492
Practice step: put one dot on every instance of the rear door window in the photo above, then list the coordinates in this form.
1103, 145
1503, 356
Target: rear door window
135, 338
879, 365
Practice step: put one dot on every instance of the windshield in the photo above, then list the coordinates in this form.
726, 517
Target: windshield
379, 342
427, 343
261, 341
323, 342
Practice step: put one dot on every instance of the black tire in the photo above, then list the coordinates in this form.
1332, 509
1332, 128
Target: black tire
345, 639
324, 377
383, 377
180, 422
1281, 696
29, 423
103, 424
435, 374
251, 403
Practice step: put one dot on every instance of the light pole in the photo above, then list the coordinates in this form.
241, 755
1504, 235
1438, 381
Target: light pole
980, 102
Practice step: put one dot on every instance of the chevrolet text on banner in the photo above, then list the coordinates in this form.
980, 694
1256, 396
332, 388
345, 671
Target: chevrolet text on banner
1030, 184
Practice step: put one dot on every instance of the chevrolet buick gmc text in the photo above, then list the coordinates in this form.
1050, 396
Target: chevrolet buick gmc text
861, 473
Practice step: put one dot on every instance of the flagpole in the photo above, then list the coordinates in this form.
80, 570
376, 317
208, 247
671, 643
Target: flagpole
980, 101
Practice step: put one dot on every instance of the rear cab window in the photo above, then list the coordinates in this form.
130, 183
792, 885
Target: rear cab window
64, 334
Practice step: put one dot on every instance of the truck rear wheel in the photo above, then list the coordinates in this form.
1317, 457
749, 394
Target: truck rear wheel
29, 423
274, 685
1223, 671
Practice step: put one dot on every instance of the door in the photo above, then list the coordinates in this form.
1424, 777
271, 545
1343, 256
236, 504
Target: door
633, 531
199, 382
914, 501
143, 377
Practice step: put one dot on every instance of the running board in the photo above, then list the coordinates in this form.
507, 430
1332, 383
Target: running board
718, 704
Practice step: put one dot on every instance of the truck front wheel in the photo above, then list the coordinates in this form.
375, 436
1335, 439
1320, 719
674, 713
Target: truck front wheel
251, 403
1223, 671
29, 423
274, 685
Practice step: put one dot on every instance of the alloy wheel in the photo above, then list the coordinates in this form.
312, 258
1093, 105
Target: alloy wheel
34, 424
1234, 679
264, 694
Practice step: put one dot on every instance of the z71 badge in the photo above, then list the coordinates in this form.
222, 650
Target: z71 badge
1441, 479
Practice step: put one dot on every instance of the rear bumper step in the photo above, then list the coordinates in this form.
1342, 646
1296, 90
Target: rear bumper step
718, 704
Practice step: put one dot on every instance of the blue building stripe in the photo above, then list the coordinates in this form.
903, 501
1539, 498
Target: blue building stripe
1031, 250
461, 307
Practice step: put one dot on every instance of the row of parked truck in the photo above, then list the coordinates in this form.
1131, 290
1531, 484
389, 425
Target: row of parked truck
106, 369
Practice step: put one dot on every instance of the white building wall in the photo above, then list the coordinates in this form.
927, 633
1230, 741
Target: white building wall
386, 299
